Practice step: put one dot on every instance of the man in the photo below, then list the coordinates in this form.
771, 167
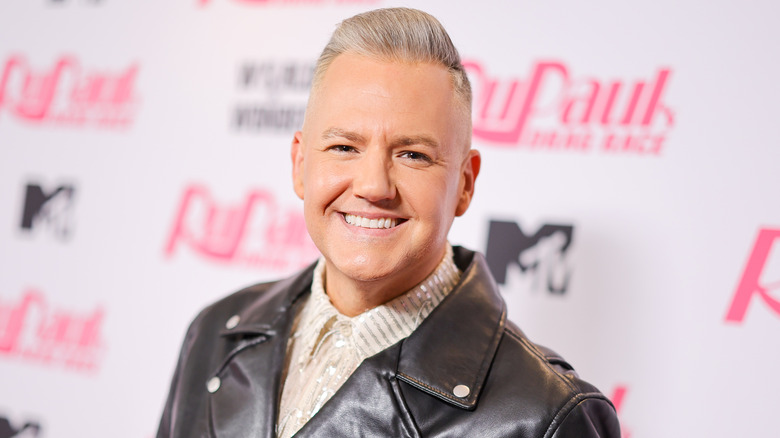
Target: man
392, 333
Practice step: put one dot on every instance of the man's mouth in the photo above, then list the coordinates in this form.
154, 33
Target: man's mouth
365, 222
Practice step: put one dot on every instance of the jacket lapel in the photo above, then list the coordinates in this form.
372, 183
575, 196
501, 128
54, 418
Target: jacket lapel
246, 401
450, 354
454, 346
367, 405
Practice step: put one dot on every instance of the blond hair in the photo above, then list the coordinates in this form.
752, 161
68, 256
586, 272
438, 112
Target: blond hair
397, 35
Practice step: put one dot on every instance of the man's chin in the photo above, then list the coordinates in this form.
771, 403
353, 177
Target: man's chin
362, 270
364, 273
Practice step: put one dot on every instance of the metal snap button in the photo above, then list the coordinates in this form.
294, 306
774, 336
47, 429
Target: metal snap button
213, 384
461, 391
232, 322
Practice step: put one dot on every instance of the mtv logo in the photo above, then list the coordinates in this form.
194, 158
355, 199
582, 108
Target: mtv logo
53, 208
540, 256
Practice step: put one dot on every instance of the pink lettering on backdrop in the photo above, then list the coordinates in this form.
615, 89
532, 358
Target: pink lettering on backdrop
255, 232
296, 2
618, 398
518, 104
750, 284
554, 110
31, 330
67, 93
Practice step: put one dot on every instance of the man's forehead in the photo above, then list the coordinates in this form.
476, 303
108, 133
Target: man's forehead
340, 105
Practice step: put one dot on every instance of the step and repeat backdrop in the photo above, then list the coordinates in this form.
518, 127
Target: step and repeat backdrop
628, 202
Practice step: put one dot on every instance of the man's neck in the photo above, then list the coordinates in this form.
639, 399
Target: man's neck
352, 297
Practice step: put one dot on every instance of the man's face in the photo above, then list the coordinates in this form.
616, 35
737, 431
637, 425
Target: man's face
383, 166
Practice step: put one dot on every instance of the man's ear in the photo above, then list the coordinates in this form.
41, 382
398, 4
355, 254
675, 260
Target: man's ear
296, 153
468, 178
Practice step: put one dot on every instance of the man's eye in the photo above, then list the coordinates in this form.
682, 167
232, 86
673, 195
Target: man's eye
416, 156
341, 148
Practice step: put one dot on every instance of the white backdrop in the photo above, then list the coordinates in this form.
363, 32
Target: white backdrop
144, 172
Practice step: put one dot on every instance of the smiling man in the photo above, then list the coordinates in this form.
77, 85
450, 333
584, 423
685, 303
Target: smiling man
383, 166
392, 332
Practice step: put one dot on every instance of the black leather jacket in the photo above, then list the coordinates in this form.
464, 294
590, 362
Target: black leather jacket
515, 388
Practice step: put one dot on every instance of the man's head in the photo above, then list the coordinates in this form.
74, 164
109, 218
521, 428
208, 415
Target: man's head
383, 163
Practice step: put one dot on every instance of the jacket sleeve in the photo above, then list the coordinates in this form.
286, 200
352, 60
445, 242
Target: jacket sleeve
588, 417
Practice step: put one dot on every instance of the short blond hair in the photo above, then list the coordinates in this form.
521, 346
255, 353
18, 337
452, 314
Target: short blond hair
397, 35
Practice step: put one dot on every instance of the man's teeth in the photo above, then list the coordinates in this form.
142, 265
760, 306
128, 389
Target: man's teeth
370, 223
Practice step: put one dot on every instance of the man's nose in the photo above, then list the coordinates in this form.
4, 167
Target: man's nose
373, 180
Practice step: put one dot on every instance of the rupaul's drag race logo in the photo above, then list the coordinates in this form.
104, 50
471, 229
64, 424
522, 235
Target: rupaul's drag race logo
33, 330
760, 279
75, 2
272, 95
66, 92
552, 109
296, 2
618, 398
255, 232
538, 260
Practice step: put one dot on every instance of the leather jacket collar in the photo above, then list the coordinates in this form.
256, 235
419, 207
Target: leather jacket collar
473, 316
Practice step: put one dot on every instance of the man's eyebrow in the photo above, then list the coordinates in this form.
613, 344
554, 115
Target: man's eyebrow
415, 139
405, 140
342, 133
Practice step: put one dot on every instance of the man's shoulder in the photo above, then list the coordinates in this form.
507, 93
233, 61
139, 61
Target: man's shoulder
539, 361
528, 390
545, 389
231, 304
258, 302
231, 324
239, 299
